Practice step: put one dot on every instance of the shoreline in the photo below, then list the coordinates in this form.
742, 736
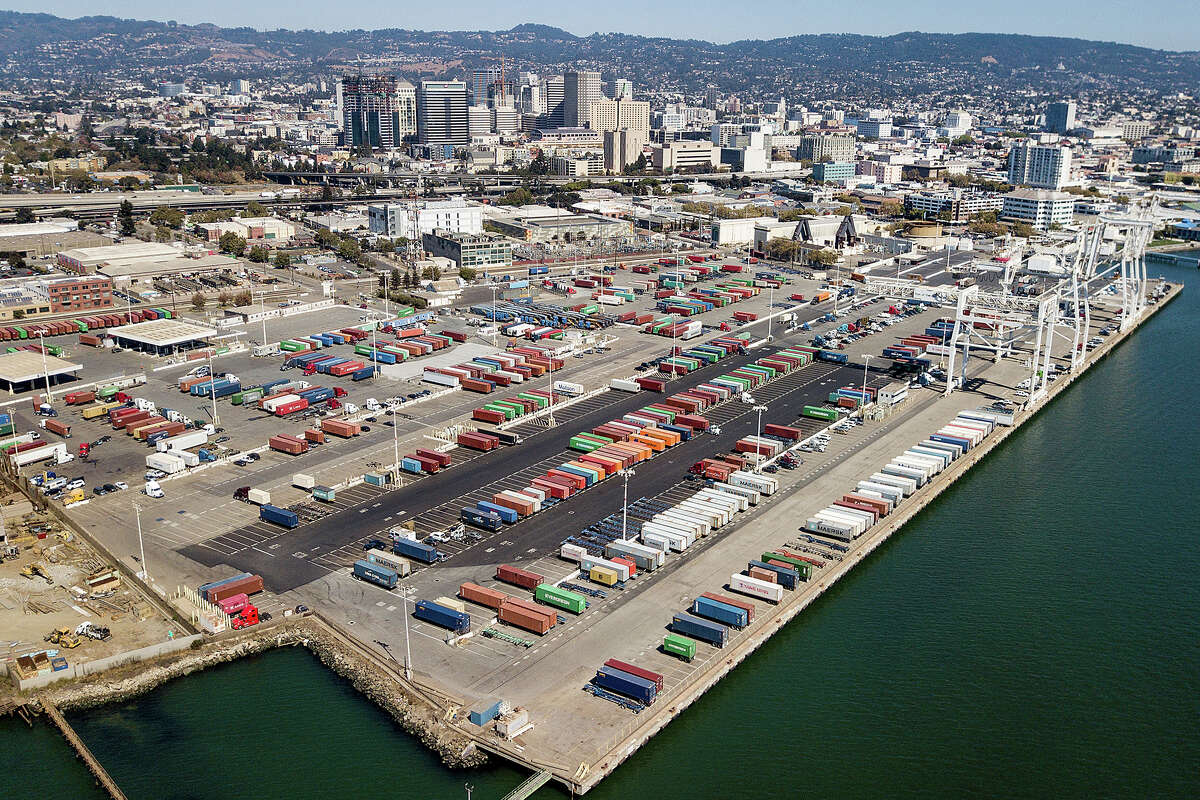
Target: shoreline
425, 713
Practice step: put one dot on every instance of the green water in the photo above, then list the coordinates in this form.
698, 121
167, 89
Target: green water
1033, 634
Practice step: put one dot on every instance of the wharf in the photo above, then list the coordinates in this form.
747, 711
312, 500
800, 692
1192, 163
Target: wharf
81, 749
579, 778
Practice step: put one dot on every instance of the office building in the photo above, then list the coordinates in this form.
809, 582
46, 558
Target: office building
580, 91
479, 251
239, 86
685, 155
1060, 117
955, 205
578, 166
825, 147
832, 171
622, 148
491, 85
874, 128
171, 89
612, 115
882, 172
1040, 166
711, 95
1136, 129
442, 113
1040, 208
412, 219
620, 89
554, 90
479, 120
723, 133
371, 112
505, 119
406, 111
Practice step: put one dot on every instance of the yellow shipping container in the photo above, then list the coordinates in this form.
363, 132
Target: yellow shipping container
450, 602
603, 575
100, 410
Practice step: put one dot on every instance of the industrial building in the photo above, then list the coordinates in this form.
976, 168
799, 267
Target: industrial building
249, 228
46, 237
412, 219
24, 370
546, 224
479, 251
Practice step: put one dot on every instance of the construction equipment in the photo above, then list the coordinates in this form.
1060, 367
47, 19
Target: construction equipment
62, 637
37, 568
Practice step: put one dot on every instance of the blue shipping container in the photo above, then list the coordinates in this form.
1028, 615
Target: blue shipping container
506, 514
616, 680
785, 577
721, 612
362, 374
701, 629
411, 465
279, 516
205, 587
472, 516
443, 617
422, 552
832, 356
376, 574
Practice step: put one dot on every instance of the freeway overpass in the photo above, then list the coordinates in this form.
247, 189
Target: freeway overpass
424, 179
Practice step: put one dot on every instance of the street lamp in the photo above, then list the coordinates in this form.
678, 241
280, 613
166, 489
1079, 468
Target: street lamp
866, 361
395, 442
625, 506
495, 325
145, 573
757, 434
407, 643
770, 313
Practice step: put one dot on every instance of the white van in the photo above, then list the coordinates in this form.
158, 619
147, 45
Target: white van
152, 489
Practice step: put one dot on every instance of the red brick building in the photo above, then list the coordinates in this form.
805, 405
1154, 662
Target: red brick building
79, 294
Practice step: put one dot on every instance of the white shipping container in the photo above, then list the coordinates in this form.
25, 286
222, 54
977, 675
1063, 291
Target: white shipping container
537, 504
622, 385
184, 441
967, 419
972, 435
933, 452
718, 517
868, 517
726, 499
535, 493
259, 497
678, 540
893, 493
763, 590
686, 535
189, 459
635, 548
906, 485
572, 552
700, 525
954, 450
439, 378
513, 377
750, 495
610, 299
843, 516
834, 530
169, 463
276, 402
914, 463
656, 541
764, 484
568, 388
936, 462
302, 481
904, 472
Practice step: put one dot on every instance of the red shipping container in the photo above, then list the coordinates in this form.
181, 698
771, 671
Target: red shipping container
443, 459
782, 431
729, 601
287, 444
481, 595
316, 436
534, 620
763, 574
628, 562
428, 465
519, 577
632, 669
558, 491
291, 408
522, 507
250, 585
578, 481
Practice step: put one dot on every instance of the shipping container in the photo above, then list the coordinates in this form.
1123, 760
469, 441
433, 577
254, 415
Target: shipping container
625, 684
702, 629
375, 573
753, 587
448, 618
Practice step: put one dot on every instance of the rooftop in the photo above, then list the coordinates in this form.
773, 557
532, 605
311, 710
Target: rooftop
26, 365
163, 332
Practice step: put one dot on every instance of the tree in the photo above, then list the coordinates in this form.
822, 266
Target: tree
223, 299
1024, 230
168, 217
243, 298
282, 261
125, 218
349, 250
467, 273
259, 254
232, 244
517, 197
824, 257
24, 215
163, 234
959, 181
540, 165
198, 301
256, 209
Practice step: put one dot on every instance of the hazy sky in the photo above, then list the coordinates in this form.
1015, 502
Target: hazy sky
1168, 24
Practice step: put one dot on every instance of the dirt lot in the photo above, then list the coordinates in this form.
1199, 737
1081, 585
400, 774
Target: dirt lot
32, 606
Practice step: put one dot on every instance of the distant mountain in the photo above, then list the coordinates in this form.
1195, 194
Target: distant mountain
93, 50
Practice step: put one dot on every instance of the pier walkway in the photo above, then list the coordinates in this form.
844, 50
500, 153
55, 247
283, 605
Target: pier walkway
81, 749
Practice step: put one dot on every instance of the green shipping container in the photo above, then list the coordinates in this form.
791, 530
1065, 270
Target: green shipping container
537, 398
517, 408
815, 412
507, 411
560, 598
21, 332
362, 350
81, 325
583, 445
107, 393
290, 346
680, 646
802, 567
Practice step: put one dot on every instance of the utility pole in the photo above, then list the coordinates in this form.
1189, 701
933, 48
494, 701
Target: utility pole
395, 442
262, 309
45, 365
495, 324
770, 313
407, 643
212, 387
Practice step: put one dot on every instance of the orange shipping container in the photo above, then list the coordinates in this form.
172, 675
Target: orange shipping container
481, 595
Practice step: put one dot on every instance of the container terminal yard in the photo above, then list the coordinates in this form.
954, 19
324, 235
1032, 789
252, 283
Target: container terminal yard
565, 562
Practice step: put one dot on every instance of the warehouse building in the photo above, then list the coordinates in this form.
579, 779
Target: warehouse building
45, 238
480, 251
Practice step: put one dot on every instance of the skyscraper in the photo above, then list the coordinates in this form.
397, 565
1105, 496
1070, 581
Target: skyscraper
1060, 117
620, 89
371, 111
491, 85
611, 115
442, 113
1045, 167
580, 90
554, 91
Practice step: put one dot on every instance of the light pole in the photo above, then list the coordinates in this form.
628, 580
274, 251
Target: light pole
495, 325
262, 309
395, 443
145, 573
387, 290
866, 361
407, 644
625, 506
45, 366
770, 313
757, 434
212, 388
